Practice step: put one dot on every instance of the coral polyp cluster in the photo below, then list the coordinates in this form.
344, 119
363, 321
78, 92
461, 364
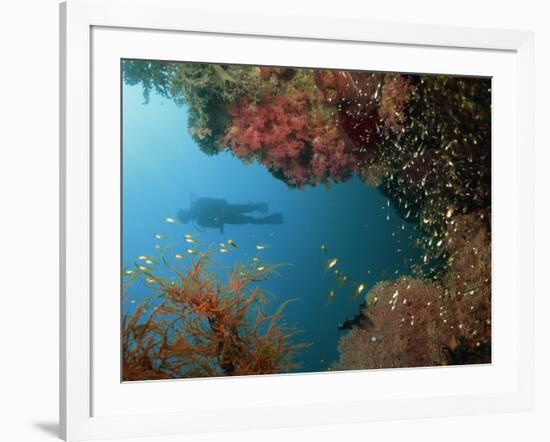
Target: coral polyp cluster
198, 326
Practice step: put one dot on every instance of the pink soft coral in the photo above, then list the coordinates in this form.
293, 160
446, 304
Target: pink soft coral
292, 137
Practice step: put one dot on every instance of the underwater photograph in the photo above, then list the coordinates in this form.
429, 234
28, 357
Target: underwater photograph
291, 220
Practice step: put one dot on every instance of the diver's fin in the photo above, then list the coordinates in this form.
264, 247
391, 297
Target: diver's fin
276, 218
262, 207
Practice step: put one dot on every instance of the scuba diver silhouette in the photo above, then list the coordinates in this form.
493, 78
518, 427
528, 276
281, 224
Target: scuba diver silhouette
216, 212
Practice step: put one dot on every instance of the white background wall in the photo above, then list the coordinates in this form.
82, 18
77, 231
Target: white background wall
29, 204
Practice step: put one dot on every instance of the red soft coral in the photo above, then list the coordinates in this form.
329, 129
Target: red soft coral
292, 137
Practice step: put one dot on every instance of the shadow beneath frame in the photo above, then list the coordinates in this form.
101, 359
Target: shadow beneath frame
51, 428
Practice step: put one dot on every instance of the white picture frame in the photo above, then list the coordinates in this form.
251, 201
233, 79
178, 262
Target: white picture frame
90, 408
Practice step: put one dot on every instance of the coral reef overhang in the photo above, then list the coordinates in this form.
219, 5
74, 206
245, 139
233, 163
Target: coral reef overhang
424, 141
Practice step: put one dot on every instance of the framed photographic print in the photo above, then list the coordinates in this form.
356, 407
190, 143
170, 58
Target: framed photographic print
309, 220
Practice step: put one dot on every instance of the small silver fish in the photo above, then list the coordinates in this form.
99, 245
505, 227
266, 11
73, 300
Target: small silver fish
358, 290
170, 220
343, 279
330, 263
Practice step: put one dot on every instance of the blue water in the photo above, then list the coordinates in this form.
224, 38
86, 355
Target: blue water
163, 167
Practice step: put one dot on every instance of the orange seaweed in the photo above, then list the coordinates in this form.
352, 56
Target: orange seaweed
201, 327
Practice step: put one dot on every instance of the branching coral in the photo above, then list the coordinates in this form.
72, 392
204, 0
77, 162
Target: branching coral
200, 327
